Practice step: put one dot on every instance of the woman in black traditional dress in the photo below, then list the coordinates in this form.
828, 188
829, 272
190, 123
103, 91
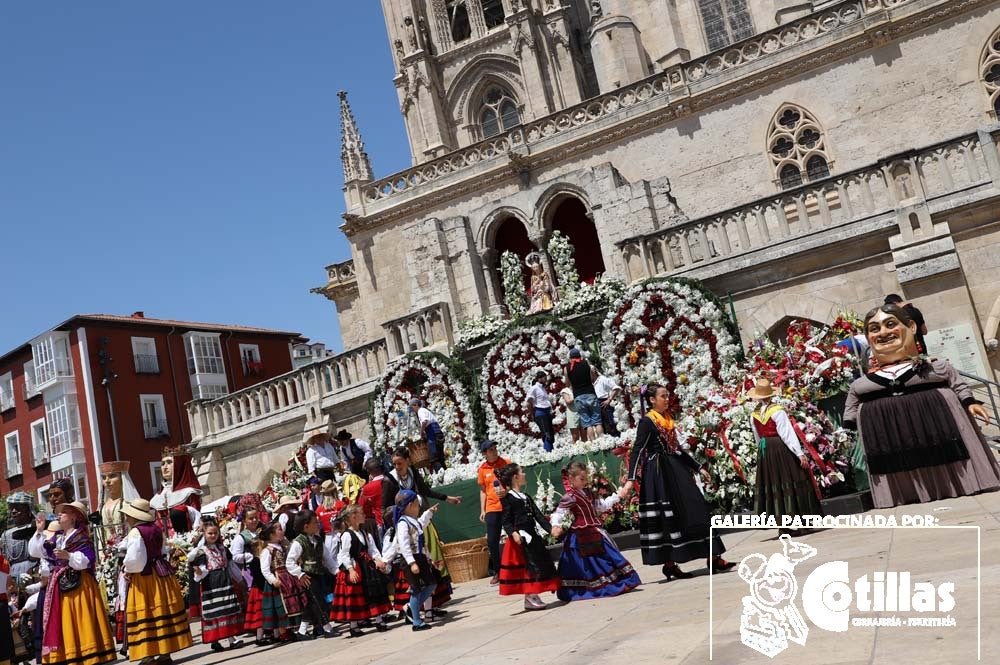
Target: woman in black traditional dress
917, 420
673, 515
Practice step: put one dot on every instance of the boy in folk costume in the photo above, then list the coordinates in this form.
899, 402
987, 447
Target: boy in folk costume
410, 544
313, 566
785, 484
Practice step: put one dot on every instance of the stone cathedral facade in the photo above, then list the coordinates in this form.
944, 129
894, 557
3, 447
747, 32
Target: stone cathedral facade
801, 157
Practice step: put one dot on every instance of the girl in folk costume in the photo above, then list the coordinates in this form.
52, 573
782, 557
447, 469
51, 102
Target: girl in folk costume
410, 544
156, 621
360, 592
75, 621
917, 420
525, 567
284, 599
243, 549
785, 484
313, 566
590, 565
674, 517
219, 579
405, 477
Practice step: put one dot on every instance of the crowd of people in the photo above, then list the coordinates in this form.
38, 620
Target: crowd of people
338, 560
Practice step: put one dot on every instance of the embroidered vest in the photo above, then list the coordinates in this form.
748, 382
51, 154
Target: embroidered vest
311, 560
152, 540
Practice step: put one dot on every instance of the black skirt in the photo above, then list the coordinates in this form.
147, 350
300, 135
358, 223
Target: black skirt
909, 431
674, 517
783, 486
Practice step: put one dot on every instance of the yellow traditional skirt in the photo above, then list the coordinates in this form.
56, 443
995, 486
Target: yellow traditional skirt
86, 632
156, 621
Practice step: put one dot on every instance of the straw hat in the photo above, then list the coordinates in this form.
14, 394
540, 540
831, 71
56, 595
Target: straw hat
762, 390
317, 438
139, 509
287, 501
328, 487
53, 527
75, 505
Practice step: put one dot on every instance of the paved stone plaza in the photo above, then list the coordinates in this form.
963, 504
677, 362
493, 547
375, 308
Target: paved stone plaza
669, 622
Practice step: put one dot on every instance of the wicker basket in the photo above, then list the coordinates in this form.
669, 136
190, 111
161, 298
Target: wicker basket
467, 560
420, 453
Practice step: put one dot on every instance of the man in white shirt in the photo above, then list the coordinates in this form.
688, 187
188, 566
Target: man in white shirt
354, 452
607, 390
541, 408
322, 459
432, 432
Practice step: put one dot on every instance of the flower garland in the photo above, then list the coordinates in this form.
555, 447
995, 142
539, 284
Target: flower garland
509, 372
671, 332
561, 253
432, 378
512, 278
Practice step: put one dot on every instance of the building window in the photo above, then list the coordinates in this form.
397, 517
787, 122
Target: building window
796, 146
458, 19
493, 13
144, 355
30, 382
990, 71
13, 449
204, 354
725, 22
154, 416
499, 112
250, 357
6, 392
62, 418
39, 443
156, 475
51, 358
210, 391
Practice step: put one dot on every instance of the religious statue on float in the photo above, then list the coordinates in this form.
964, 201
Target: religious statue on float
178, 504
117, 489
543, 291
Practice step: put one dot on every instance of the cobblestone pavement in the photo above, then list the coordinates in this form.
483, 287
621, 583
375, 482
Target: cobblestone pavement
663, 622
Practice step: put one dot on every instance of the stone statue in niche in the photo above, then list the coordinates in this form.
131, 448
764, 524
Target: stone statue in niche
411, 33
543, 292
425, 35
596, 10
398, 46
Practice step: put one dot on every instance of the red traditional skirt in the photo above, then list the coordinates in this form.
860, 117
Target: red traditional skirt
255, 611
516, 579
120, 627
352, 603
213, 630
292, 594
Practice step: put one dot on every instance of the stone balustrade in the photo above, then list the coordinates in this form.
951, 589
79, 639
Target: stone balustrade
426, 328
903, 184
289, 393
341, 273
677, 86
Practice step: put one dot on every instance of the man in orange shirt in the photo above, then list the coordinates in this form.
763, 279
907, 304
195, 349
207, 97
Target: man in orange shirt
490, 510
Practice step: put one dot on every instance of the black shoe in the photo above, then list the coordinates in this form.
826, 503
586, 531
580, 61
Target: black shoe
407, 615
423, 626
356, 632
436, 613
236, 644
672, 570
381, 627
304, 637
218, 647
720, 565
401, 616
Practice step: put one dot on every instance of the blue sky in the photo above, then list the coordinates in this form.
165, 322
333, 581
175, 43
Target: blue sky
183, 158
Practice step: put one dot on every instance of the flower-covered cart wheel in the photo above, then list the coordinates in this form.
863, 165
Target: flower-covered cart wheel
670, 332
509, 371
434, 379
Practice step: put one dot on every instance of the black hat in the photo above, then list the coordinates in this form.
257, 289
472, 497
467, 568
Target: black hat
486, 444
343, 435
892, 299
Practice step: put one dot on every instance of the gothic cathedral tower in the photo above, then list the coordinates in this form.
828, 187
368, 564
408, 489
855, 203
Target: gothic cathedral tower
467, 70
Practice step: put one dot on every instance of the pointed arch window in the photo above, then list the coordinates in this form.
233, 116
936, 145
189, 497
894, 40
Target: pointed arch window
796, 147
989, 70
498, 112
458, 19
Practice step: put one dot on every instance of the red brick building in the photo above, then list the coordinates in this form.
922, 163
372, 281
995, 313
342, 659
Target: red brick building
100, 387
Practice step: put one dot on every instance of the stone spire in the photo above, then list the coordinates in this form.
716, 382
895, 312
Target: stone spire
357, 166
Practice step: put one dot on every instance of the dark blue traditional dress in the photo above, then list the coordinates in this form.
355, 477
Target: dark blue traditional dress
591, 565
